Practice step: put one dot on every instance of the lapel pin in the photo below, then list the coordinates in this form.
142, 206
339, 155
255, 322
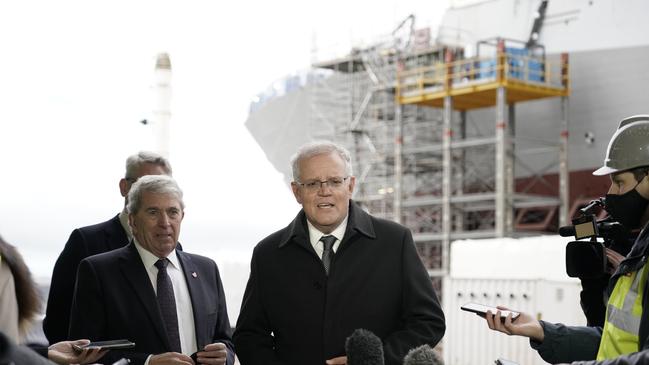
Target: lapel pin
194, 274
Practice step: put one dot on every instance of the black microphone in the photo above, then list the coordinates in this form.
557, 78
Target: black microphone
422, 355
567, 231
605, 229
364, 348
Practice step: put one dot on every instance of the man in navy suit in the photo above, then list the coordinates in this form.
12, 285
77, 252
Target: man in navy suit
169, 302
92, 240
332, 270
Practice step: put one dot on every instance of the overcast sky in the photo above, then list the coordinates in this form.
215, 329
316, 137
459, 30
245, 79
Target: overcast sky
75, 80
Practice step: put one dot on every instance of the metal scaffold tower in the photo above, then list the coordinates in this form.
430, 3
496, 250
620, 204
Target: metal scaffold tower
433, 138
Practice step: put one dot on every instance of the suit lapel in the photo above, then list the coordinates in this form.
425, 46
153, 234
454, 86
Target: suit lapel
195, 287
137, 277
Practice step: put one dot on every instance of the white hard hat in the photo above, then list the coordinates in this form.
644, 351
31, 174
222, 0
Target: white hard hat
629, 146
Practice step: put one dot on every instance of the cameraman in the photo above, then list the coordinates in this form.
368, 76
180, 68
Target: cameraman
624, 337
624, 204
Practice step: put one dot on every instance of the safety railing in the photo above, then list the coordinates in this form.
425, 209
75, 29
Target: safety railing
548, 72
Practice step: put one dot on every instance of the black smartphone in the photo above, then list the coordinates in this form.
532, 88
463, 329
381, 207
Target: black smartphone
113, 344
482, 309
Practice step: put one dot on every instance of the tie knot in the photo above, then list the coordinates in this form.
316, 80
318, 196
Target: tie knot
162, 264
328, 241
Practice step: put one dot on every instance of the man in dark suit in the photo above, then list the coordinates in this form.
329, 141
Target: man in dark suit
169, 302
332, 270
92, 240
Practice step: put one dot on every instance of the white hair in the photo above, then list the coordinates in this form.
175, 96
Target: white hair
159, 184
319, 148
134, 162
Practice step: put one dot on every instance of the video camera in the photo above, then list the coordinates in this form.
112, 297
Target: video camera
587, 259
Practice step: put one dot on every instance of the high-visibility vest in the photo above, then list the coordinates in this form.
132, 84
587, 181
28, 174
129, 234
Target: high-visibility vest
623, 314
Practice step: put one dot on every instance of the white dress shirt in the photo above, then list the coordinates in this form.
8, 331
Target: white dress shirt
184, 310
315, 235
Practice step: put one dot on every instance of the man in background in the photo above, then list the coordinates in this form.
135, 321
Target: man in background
92, 240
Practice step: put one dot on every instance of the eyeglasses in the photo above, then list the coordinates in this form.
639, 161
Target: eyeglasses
332, 183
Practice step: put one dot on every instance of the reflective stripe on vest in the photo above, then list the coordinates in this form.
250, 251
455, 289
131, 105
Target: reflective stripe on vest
623, 314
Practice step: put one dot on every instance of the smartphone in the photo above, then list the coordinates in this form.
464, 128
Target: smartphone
113, 344
482, 309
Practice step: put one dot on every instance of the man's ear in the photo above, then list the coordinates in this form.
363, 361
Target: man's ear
123, 187
352, 184
296, 192
131, 222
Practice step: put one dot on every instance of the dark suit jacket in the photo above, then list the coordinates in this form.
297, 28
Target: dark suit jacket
292, 313
83, 242
114, 299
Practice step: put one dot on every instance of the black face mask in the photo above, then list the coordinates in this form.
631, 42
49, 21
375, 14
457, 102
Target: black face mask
627, 208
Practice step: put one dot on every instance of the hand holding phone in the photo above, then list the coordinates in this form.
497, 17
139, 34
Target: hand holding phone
522, 324
482, 309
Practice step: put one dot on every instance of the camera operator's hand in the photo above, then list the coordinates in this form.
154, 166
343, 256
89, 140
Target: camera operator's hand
613, 258
523, 325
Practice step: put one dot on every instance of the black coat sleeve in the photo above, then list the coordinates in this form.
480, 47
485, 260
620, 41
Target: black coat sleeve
563, 344
222, 329
422, 317
253, 335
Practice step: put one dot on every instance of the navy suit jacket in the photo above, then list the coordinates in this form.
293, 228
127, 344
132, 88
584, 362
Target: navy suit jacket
83, 242
293, 313
114, 299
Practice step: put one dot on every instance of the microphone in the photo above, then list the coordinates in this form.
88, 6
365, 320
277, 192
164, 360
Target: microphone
605, 229
567, 231
422, 355
364, 348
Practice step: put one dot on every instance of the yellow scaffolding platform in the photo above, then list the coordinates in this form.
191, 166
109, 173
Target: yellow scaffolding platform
473, 83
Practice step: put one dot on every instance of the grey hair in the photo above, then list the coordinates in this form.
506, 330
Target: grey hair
157, 184
135, 161
319, 148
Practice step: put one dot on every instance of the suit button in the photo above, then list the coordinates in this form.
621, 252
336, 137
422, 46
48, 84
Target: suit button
317, 285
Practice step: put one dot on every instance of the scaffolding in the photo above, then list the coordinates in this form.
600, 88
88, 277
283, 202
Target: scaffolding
424, 158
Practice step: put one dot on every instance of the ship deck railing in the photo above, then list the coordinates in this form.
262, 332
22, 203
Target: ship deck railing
472, 82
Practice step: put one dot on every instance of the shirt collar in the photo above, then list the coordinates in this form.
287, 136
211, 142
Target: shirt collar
315, 234
150, 259
358, 221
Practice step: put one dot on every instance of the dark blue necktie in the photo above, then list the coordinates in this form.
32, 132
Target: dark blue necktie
167, 303
327, 252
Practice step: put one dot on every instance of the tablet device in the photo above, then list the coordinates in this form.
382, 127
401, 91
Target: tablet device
482, 309
113, 344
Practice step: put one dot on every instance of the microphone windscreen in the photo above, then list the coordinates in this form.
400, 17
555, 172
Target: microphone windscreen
567, 231
364, 348
422, 355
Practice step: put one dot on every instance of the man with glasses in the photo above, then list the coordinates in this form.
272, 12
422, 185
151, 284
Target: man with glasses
92, 240
332, 270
